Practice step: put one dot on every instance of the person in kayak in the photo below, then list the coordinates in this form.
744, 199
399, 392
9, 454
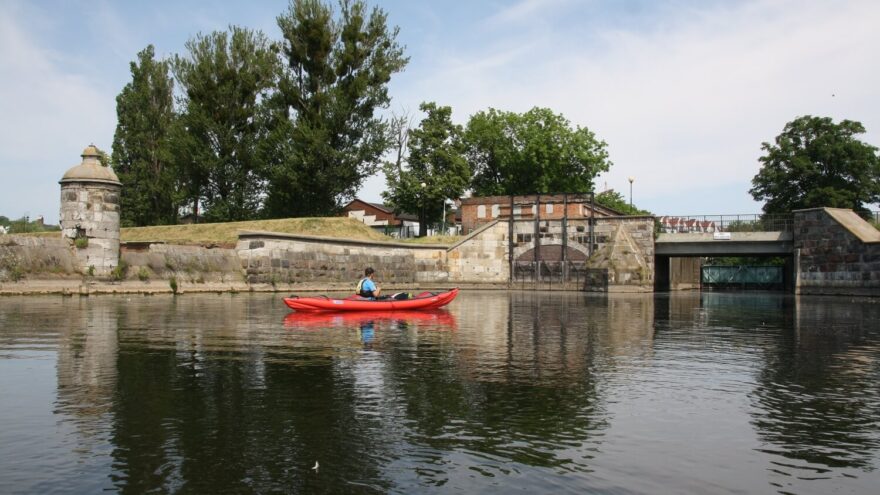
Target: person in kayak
366, 287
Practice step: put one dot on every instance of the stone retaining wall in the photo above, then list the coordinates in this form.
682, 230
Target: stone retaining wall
26, 256
290, 259
625, 252
187, 264
836, 252
481, 257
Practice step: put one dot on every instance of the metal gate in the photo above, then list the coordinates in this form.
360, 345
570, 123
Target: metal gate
548, 249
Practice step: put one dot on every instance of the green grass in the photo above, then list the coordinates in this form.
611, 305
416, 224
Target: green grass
227, 233
434, 239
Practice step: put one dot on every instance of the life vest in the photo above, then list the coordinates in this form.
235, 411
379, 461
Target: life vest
359, 290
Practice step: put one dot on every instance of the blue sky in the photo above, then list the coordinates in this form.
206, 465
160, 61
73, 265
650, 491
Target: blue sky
683, 92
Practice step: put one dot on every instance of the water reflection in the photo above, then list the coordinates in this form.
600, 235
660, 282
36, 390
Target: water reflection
530, 391
814, 410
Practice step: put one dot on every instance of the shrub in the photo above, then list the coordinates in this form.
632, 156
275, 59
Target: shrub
120, 272
81, 242
172, 282
91, 271
143, 274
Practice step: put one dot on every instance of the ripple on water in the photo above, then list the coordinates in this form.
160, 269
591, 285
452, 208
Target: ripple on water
502, 392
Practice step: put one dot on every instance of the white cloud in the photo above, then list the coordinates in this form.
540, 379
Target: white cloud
49, 116
524, 11
686, 103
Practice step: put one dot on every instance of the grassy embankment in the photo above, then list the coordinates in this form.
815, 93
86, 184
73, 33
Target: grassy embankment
226, 234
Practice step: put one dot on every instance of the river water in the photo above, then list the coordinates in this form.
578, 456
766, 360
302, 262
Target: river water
502, 392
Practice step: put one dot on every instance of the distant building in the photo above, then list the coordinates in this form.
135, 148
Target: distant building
687, 225
479, 210
383, 218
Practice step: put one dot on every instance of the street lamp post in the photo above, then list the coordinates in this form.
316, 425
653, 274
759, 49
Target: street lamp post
631, 179
423, 222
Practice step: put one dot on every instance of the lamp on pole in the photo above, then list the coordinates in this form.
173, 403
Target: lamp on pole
423, 222
631, 180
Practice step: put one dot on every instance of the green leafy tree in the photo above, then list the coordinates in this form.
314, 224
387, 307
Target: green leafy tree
534, 152
327, 138
614, 200
142, 155
815, 163
227, 77
435, 168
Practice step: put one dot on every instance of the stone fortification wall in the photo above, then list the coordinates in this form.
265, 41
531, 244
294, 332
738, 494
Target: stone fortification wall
481, 257
25, 256
187, 264
623, 257
267, 261
295, 259
836, 252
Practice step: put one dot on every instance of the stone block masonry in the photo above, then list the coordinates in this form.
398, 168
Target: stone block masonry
90, 213
268, 258
836, 252
187, 264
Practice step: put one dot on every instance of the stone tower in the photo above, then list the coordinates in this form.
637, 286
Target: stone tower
90, 213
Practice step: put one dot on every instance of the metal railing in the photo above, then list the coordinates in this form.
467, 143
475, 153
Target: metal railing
756, 222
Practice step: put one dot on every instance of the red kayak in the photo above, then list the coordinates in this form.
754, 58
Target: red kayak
425, 300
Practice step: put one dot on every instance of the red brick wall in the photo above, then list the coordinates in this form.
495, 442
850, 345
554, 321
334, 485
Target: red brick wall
470, 208
358, 205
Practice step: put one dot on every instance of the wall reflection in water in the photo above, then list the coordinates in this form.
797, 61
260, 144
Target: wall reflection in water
534, 391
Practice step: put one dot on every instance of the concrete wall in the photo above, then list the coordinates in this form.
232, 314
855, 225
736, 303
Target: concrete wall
836, 252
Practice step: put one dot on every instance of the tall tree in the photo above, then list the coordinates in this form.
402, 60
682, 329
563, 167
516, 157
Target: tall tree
227, 77
327, 137
534, 152
142, 155
814, 163
435, 169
